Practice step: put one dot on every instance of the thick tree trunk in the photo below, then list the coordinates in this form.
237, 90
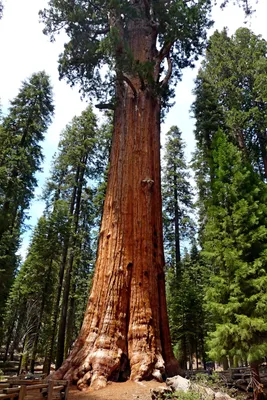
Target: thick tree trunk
126, 325
126, 317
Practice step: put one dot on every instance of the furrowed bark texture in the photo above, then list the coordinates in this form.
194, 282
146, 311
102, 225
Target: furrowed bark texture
125, 329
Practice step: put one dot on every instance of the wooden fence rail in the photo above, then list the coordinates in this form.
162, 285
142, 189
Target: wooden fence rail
30, 390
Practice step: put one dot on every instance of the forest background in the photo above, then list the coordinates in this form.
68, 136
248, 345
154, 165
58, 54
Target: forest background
23, 43
232, 193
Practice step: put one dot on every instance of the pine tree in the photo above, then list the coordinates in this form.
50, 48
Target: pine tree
186, 309
21, 134
33, 288
231, 93
62, 250
77, 163
177, 198
235, 246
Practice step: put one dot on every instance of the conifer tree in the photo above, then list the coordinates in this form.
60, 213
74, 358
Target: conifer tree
33, 286
235, 246
21, 134
62, 249
134, 39
231, 93
185, 299
177, 198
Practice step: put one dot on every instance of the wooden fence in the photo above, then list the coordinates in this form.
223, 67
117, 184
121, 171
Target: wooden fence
31, 390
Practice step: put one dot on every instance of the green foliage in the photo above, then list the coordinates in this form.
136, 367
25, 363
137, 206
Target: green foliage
57, 272
176, 198
190, 395
78, 163
101, 33
235, 247
209, 380
21, 134
185, 299
180, 395
231, 95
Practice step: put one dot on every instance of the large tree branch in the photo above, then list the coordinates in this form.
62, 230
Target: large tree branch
168, 74
129, 83
164, 51
105, 106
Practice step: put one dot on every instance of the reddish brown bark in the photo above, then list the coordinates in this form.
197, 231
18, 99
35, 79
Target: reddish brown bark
126, 324
256, 381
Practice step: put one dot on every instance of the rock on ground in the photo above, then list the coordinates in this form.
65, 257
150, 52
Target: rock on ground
178, 383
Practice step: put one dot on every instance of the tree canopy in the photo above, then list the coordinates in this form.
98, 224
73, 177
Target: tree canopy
101, 34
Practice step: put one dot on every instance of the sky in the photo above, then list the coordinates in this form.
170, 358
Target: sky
24, 49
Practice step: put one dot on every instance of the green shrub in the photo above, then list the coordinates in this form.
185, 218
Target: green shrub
180, 395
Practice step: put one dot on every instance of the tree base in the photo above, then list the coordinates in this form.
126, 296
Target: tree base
100, 367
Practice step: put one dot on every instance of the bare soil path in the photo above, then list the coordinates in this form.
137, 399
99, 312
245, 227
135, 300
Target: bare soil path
118, 391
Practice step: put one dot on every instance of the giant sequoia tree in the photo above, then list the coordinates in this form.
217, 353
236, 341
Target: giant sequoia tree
125, 327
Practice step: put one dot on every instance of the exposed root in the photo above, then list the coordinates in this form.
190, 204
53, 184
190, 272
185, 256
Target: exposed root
146, 366
103, 365
98, 381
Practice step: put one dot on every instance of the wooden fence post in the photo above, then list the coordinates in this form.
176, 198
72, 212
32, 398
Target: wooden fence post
50, 390
22, 392
66, 390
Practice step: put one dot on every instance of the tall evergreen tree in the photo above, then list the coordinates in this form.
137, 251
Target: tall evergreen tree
186, 308
235, 245
77, 163
21, 134
62, 247
178, 226
231, 93
177, 198
134, 39
33, 288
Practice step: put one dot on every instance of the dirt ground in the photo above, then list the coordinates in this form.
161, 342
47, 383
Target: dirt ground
118, 391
